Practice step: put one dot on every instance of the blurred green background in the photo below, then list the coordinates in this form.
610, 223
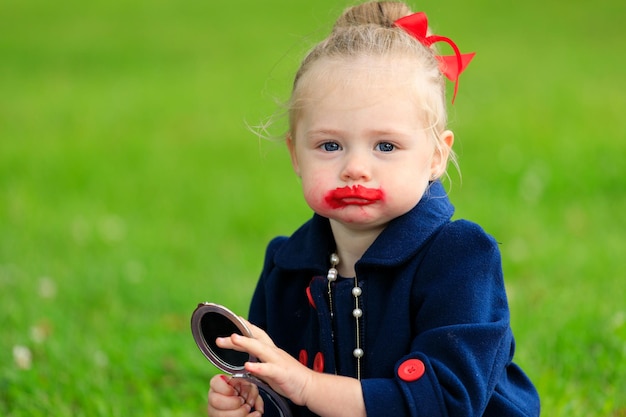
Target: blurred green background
131, 187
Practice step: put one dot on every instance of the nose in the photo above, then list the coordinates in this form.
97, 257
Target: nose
356, 167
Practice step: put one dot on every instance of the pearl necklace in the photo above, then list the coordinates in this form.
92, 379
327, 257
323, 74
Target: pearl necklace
357, 313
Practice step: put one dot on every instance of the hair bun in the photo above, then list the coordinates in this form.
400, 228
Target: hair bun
380, 13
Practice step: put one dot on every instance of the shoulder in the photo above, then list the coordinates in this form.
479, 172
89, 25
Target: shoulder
462, 244
464, 235
275, 244
272, 248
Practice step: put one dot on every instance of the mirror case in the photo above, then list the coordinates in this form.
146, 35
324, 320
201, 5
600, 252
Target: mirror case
210, 321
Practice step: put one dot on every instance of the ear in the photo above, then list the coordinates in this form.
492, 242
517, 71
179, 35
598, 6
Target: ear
291, 145
441, 153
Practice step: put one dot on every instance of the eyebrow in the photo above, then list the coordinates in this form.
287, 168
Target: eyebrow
373, 132
322, 131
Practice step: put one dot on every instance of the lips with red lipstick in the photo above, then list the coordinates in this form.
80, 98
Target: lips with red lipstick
356, 195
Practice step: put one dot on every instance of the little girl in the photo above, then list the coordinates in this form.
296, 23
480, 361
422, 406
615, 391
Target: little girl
380, 305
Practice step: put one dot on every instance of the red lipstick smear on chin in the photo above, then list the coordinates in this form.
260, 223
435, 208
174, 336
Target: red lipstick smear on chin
356, 195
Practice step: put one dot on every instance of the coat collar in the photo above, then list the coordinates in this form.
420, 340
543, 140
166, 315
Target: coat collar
310, 246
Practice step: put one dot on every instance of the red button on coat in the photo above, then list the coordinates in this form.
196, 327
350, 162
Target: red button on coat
318, 362
411, 370
303, 357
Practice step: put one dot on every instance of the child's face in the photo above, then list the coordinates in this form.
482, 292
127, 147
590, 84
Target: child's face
361, 147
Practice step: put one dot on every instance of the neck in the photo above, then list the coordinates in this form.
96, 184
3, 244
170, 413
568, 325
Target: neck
351, 245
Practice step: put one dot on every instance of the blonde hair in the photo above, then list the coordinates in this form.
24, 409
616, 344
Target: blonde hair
368, 29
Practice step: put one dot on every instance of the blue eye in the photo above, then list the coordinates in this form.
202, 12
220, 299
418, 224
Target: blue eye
331, 147
385, 147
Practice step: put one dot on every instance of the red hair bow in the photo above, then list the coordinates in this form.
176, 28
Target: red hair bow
451, 66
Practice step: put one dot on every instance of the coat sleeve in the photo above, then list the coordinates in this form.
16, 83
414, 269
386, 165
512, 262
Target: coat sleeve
463, 342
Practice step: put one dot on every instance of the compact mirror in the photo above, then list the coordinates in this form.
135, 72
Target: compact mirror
210, 321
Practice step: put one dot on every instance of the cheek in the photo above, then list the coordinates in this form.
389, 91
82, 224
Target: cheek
403, 192
314, 192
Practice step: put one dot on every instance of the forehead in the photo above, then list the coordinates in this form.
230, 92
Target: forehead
358, 96
365, 75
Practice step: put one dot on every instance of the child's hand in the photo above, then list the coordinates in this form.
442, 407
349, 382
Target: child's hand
281, 371
233, 397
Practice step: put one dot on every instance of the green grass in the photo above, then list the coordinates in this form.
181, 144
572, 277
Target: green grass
131, 189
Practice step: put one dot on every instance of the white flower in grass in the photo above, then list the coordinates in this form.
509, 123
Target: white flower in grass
47, 288
40, 331
38, 334
112, 229
22, 357
618, 320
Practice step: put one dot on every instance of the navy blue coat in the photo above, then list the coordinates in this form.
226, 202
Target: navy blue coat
435, 327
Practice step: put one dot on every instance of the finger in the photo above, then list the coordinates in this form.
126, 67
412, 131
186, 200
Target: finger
233, 342
221, 384
250, 392
243, 411
225, 343
263, 351
253, 346
245, 392
259, 405
259, 333
232, 403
